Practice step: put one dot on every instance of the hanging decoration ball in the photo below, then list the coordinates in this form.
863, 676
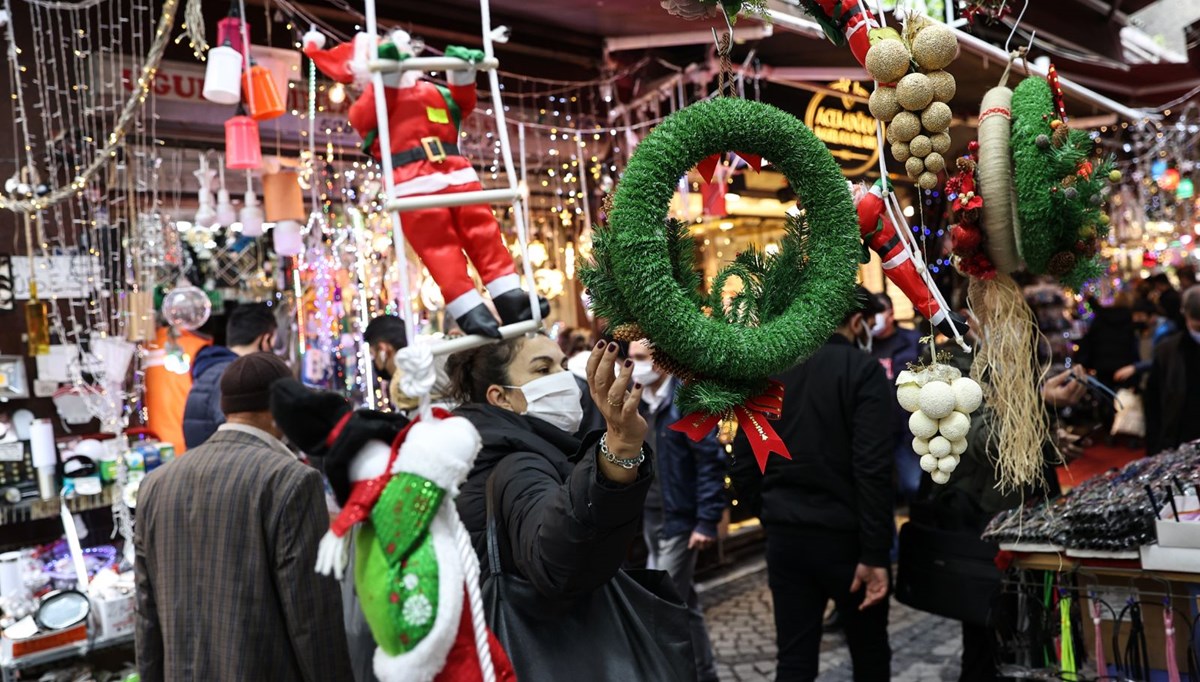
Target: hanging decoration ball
922, 426
883, 103
186, 307
940, 143
901, 152
939, 447
943, 84
920, 146
968, 395
1042, 141
947, 465
954, 426
936, 118
1114, 175
927, 180
937, 399
905, 126
957, 447
914, 92
929, 463
914, 166
934, 162
920, 446
934, 47
940, 477
223, 76
888, 60
908, 392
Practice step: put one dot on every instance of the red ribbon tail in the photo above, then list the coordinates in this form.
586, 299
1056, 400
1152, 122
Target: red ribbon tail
753, 160
763, 439
708, 167
696, 425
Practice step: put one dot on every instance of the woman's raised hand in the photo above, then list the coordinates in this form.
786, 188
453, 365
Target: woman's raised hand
626, 427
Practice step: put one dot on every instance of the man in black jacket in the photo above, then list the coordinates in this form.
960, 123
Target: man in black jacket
827, 512
250, 329
1173, 390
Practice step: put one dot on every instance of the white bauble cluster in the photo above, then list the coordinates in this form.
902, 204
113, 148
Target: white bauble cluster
941, 401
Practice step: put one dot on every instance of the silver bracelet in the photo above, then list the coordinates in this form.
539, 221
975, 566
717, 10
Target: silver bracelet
629, 463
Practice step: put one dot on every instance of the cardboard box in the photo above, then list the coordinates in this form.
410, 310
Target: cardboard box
1182, 533
12, 650
115, 616
1174, 559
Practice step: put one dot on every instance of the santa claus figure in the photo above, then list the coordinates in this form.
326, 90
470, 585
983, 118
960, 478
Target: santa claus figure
424, 120
880, 235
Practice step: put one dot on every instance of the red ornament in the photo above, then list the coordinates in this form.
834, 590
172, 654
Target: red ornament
1085, 169
973, 146
964, 240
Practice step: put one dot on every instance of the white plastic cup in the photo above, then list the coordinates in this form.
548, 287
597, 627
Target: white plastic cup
223, 76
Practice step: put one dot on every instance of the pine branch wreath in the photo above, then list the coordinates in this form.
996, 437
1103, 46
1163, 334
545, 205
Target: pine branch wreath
1060, 191
643, 276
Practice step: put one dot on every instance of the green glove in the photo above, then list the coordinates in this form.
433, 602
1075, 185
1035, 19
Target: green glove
390, 51
465, 53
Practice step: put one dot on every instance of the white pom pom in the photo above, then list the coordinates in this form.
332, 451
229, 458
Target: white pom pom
957, 447
922, 426
940, 477
314, 38
967, 395
937, 399
939, 447
955, 426
908, 395
929, 463
920, 446
947, 464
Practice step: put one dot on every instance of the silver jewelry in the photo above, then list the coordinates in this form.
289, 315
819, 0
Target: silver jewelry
627, 463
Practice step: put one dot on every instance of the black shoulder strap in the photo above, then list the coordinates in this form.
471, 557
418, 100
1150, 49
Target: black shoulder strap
493, 542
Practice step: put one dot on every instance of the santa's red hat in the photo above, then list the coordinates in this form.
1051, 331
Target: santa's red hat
334, 62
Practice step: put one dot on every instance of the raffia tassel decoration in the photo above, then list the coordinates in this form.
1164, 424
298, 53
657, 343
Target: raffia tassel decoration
1006, 365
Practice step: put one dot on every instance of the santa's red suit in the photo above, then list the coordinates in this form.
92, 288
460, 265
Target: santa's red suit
880, 235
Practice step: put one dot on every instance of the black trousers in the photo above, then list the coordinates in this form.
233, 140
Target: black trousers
805, 570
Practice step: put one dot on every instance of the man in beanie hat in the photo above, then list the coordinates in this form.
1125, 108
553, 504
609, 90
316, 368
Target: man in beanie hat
225, 541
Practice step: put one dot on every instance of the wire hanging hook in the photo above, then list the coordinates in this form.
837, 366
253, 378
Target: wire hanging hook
1016, 24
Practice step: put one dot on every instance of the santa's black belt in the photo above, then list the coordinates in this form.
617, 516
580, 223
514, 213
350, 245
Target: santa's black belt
431, 149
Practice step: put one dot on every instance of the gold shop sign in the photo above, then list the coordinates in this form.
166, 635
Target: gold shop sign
846, 126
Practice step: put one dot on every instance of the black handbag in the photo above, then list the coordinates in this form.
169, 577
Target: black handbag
947, 573
633, 629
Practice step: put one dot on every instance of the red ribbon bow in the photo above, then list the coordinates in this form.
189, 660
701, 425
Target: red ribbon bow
752, 417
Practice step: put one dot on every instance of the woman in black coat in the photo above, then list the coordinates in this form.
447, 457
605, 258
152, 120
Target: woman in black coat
568, 508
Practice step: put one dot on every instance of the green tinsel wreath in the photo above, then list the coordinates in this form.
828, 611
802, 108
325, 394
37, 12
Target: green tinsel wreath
643, 277
1060, 204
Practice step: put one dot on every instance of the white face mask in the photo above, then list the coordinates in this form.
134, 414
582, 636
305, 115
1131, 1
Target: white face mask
555, 399
879, 326
644, 373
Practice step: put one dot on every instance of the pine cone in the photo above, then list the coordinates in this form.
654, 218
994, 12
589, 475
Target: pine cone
690, 9
1060, 135
1061, 263
628, 332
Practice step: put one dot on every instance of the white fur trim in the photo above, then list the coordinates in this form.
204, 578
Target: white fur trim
503, 284
435, 182
424, 661
371, 461
461, 76
464, 304
315, 39
441, 450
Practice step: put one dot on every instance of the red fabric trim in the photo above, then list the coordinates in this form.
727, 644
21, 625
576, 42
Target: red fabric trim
337, 429
994, 111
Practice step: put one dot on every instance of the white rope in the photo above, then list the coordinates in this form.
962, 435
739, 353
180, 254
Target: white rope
128, 114
470, 560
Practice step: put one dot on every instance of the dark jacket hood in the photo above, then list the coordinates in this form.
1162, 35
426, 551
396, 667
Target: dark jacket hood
209, 357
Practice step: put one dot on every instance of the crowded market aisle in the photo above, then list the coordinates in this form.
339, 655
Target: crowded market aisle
737, 606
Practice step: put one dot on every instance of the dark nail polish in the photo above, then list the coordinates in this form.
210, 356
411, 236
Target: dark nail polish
612, 347
629, 363
600, 343
636, 386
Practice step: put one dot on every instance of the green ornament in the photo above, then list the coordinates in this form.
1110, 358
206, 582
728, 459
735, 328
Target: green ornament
791, 302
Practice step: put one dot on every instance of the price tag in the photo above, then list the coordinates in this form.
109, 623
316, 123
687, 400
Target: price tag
12, 452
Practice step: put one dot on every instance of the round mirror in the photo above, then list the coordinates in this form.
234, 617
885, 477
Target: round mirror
62, 609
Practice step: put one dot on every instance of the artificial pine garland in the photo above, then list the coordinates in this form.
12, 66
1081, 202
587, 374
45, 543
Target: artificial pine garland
643, 280
1060, 204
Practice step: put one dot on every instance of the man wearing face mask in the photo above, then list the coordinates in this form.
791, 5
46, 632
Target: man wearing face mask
1172, 400
384, 336
687, 499
895, 347
250, 329
827, 511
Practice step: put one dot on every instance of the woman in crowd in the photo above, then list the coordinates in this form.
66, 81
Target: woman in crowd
568, 508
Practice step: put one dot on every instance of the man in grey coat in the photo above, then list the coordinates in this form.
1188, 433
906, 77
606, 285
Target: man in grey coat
226, 540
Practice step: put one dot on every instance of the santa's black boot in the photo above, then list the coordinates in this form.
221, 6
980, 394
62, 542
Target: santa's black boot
479, 320
960, 323
513, 306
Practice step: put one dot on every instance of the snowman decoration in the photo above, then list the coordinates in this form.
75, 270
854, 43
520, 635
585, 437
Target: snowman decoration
941, 401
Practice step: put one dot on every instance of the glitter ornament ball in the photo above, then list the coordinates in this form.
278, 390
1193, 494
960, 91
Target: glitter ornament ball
934, 47
936, 118
904, 127
186, 307
935, 162
940, 143
901, 152
943, 85
914, 166
883, 103
920, 146
927, 180
888, 60
914, 92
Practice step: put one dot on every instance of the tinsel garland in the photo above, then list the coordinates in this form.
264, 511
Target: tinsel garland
1060, 204
643, 279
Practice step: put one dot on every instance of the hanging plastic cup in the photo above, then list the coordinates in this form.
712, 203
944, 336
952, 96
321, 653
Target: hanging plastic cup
286, 238
261, 94
283, 198
251, 216
223, 76
243, 148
